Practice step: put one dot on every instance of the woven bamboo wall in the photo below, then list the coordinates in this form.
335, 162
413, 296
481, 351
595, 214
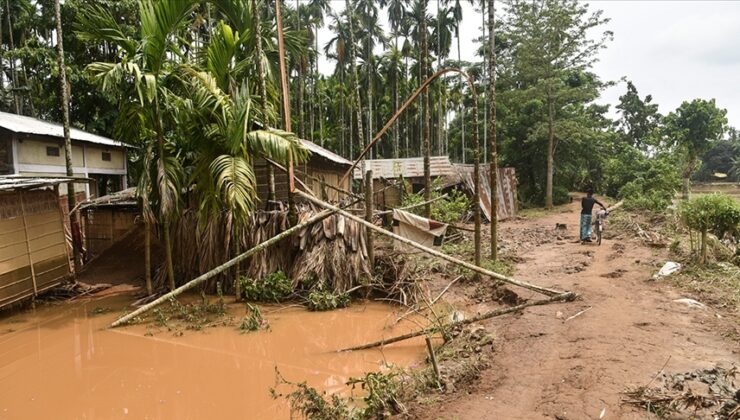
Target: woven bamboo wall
33, 253
106, 225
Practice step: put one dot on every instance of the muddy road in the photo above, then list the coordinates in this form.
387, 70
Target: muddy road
60, 362
548, 365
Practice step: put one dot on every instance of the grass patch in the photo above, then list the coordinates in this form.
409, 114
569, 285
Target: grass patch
718, 284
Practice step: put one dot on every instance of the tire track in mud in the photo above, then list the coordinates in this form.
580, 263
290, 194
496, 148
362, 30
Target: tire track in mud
548, 366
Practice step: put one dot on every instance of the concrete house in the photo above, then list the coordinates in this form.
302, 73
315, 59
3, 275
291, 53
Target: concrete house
32, 147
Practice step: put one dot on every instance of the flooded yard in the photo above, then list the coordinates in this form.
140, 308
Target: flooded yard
60, 361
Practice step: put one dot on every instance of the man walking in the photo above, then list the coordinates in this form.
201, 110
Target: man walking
587, 207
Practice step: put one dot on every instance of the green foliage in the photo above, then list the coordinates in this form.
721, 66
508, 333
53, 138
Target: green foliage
560, 195
253, 321
650, 184
500, 266
715, 213
325, 300
447, 210
274, 287
380, 400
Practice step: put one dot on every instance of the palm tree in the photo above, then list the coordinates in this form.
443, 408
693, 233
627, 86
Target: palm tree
355, 80
396, 12
144, 62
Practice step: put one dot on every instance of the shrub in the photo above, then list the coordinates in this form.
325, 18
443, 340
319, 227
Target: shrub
274, 287
715, 213
560, 195
325, 300
447, 210
254, 320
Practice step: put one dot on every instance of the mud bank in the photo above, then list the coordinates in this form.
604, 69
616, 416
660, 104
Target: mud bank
60, 362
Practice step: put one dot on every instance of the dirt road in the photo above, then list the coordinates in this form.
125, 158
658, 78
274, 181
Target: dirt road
546, 365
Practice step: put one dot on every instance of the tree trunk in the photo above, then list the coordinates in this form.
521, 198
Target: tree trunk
11, 61
356, 81
256, 13
550, 151
292, 214
462, 102
148, 257
301, 76
476, 179
64, 90
493, 169
425, 113
484, 71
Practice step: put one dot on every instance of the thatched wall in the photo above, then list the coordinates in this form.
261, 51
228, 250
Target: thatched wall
334, 250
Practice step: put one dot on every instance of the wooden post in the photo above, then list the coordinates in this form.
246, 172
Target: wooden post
28, 243
223, 267
369, 217
434, 252
433, 358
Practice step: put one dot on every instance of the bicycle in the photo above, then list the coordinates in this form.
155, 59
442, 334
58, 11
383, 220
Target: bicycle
600, 219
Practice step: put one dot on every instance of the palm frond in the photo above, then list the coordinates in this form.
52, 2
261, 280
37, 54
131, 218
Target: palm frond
277, 145
235, 183
96, 23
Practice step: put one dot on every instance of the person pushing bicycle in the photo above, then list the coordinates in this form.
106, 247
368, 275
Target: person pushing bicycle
587, 207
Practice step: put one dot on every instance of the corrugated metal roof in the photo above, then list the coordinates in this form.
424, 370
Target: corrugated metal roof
13, 182
408, 167
326, 154
28, 125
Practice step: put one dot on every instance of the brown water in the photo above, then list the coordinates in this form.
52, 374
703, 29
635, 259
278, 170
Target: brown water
59, 362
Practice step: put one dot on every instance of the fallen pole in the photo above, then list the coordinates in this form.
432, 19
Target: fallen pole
545, 291
565, 297
223, 267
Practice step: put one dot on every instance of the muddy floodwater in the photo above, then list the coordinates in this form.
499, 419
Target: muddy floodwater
60, 362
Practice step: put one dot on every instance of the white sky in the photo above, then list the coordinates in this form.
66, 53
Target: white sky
673, 50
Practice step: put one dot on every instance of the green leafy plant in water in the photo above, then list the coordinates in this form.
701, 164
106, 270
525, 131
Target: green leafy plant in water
381, 400
325, 300
253, 321
274, 287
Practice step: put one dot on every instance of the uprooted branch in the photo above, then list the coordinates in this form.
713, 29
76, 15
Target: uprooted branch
568, 296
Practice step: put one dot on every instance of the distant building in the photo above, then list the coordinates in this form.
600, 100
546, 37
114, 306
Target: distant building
32, 147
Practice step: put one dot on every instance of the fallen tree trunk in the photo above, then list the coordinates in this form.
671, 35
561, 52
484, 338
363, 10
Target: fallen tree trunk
615, 206
223, 267
545, 291
568, 296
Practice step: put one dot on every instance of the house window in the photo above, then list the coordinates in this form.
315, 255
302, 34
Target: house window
106, 156
52, 151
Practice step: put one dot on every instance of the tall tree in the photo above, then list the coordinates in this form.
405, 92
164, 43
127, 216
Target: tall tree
693, 128
552, 50
640, 118
355, 79
64, 89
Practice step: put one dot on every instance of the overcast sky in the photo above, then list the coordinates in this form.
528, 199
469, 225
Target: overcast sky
673, 50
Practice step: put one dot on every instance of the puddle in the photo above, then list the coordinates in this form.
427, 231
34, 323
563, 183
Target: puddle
60, 362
